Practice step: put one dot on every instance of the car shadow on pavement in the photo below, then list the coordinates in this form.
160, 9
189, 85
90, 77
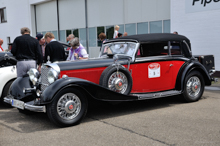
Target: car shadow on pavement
22, 123
104, 110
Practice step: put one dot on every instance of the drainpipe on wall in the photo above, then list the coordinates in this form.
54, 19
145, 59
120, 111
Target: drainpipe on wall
87, 36
35, 15
58, 24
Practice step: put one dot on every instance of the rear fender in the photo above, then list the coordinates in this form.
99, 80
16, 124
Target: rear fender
90, 89
187, 68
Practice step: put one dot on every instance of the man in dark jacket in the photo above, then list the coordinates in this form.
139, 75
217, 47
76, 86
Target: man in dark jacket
26, 50
54, 51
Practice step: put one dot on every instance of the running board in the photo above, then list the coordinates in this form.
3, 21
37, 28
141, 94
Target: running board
157, 94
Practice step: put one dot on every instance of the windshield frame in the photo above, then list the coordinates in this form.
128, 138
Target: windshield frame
116, 43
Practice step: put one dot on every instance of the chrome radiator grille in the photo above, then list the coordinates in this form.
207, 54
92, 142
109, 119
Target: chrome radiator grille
44, 80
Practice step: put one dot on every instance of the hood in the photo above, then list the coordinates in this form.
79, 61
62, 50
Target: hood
90, 63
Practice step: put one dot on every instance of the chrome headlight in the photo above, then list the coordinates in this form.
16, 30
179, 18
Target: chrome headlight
33, 74
52, 75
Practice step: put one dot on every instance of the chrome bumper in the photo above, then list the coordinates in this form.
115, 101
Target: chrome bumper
28, 105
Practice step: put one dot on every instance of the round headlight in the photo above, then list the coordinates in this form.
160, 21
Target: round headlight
52, 76
33, 74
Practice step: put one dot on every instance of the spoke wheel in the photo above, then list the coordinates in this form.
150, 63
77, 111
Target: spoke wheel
117, 79
193, 86
68, 107
118, 82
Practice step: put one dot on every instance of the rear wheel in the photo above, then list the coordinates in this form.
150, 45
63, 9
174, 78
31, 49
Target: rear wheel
193, 86
68, 107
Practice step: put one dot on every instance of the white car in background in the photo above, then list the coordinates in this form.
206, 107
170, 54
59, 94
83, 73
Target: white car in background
8, 73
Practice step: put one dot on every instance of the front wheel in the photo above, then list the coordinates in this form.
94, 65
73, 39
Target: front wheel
68, 107
193, 86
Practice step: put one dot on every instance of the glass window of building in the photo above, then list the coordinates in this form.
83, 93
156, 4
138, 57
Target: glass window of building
68, 32
55, 34
142, 28
130, 29
109, 32
44, 32
166, 26
3, 16
156, 27
100, 30
121, 29
92, 37
76, 32
62, 36
82, 36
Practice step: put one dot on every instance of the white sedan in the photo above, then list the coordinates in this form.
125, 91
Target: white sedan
8, 73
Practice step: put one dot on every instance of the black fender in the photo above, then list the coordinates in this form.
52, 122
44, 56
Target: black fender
188, 67
16, 89
89, 88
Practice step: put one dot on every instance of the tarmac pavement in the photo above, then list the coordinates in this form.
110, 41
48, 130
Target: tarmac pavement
159, 122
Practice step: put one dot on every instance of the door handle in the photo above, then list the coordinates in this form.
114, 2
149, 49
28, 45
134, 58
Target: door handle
171, 65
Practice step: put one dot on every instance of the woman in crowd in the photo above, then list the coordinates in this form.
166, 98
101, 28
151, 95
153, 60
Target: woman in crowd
76, 52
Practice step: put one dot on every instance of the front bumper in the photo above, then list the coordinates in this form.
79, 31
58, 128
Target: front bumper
28, 105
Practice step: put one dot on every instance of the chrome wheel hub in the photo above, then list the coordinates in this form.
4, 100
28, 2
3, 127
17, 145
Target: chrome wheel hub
193, 86
68, 106
118, 82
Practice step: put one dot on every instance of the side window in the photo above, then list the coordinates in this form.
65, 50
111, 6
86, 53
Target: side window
153, 49
175, 48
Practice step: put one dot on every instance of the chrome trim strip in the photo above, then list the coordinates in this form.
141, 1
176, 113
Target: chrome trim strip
8, 100
27, 106
35, 108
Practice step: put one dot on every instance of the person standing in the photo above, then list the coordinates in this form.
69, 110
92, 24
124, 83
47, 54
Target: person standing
175, 32
76, 52
42, 43
54, 51
1, 42
102, 38
26, 50
125, 34
116, 31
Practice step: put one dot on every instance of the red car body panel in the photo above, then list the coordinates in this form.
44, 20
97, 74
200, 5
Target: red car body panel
146, 78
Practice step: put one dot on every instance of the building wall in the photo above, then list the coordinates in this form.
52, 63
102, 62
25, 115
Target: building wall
126, 13
18, 16
200, 24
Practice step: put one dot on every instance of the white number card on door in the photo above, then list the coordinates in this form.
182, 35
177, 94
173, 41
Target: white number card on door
154, 70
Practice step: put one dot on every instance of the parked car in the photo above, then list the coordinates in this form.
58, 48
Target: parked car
8, 72
130, 68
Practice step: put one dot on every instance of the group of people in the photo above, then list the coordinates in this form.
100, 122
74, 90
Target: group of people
32, 52
117, 34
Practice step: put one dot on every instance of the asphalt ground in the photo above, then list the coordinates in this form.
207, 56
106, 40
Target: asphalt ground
164, 121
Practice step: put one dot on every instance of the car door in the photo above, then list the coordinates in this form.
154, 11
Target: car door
153, 69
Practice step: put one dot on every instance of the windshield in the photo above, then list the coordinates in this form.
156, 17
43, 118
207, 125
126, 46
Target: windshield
125, 48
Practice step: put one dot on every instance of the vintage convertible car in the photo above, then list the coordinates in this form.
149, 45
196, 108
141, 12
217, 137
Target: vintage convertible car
7, 73
129, 68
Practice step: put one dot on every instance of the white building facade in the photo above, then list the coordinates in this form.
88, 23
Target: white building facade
87, 18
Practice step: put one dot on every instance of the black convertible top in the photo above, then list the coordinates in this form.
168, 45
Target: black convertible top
153, 37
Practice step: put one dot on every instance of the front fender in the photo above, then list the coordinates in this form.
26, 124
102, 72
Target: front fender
93, 90
16, 89
188, 67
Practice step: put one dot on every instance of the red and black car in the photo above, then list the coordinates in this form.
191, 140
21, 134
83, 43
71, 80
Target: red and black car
129, 68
